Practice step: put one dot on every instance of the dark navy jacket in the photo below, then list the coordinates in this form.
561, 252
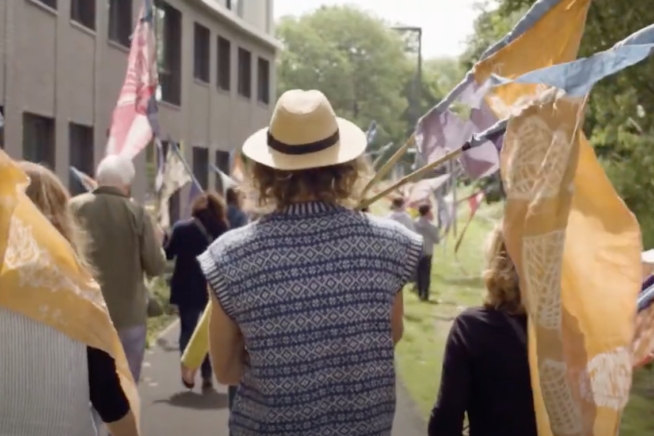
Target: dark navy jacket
188, 287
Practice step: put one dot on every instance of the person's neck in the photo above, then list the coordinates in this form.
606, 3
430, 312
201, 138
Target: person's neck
120, 189
304, 198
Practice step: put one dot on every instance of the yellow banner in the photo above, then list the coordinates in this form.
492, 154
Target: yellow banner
577, 250
41, 278
554, 39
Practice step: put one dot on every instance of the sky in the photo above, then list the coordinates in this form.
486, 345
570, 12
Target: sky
445, 23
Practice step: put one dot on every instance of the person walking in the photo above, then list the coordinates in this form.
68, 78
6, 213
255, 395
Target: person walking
53, 370
399, 213
486, 364
126, 247
188, 288
306, 302
237, 218
235, 214
429, 232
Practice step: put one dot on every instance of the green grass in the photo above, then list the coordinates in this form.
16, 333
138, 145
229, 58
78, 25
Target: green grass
456, 284
161, 292
638, 417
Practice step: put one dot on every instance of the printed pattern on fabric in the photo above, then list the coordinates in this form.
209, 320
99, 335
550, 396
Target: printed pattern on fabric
312, 288
574, 243
30, 382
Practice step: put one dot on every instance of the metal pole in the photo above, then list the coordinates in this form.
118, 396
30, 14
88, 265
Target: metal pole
419, 98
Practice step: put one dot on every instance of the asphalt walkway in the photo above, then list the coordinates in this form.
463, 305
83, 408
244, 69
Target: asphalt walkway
168, 409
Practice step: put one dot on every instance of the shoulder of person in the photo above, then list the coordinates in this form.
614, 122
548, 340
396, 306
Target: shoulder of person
397, 229
233, 239
477, 317
79, 200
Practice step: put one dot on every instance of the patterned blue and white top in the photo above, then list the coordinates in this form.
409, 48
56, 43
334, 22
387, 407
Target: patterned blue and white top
311, 288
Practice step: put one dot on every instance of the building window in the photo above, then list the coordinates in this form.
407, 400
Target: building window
222, 163
2, 127
39, 140
201, 166
202, 50
81, 156
168, 28
83, 12
235, 6
244, 73
49, 3
224, 60
263, 77
120, 21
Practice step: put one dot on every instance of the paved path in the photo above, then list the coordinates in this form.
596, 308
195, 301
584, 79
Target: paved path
169, 410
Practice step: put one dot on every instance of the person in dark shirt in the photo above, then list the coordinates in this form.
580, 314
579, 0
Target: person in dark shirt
235, 215
237, 218
188, 288
486, 366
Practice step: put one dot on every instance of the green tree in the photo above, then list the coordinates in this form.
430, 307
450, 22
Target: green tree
355, 59
619, 120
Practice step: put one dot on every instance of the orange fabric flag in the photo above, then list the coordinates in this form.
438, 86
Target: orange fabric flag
41, 278
554, 39
577, 249
474, 201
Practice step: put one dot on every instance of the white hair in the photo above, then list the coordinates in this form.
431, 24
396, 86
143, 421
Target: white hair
115, 170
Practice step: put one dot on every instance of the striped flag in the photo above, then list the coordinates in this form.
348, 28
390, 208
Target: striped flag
174, 177
560, 24
577, 78
131, 129
83, 179
474, 201
371, 134
196, 188
225, 181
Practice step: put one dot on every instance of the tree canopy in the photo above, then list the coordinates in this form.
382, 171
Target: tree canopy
366, 68
619, 120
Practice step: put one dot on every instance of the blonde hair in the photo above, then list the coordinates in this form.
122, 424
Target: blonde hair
501, 278
342, 184
51, 197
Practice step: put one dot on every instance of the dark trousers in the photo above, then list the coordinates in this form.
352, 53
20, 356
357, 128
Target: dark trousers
188, 320
424, 276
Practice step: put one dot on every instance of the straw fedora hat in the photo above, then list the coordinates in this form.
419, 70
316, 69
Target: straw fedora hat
305, 133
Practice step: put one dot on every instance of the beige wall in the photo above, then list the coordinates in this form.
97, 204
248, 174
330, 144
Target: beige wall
72, 74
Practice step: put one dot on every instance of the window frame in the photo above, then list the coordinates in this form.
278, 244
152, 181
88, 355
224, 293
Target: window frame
169, 59
201, 53
263, 87
44, 142
224, 63
77, 14
52, 4
244, 87
119, 28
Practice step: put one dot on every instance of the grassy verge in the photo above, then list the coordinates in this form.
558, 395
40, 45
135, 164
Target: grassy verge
160, 290
457, 284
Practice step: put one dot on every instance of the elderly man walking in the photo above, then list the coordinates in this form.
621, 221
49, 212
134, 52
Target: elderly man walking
125, 247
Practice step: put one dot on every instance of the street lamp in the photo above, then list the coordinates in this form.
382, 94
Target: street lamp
418, 90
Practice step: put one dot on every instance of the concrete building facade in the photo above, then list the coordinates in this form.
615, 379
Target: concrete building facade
63, 62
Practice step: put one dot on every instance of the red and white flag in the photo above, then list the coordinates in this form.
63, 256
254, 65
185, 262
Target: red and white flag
474, 201
131, 129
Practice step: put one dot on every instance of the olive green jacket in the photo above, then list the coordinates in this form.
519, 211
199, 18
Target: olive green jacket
123, 249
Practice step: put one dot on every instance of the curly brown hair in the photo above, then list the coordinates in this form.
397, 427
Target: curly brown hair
342, 184
501, 277
210, 209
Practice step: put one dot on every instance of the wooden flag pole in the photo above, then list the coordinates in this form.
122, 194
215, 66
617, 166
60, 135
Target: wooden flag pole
388, 165
414, 175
